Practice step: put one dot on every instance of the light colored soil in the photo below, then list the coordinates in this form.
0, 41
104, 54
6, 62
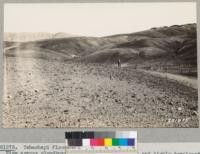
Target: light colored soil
51, 93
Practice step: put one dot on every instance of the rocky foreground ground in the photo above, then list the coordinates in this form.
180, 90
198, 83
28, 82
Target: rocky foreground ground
50, 93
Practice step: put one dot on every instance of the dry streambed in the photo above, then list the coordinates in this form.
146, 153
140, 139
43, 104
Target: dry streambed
49, 93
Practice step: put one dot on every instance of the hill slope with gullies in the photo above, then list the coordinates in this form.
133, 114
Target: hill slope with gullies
175, 44
163, 46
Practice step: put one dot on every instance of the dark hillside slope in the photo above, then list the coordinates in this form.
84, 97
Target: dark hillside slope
174, 45
74, 46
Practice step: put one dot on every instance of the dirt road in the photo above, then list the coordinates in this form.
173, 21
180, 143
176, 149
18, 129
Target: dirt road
187, 81
53, 93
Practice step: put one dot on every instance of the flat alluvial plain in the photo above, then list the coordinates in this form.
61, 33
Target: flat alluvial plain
50, 93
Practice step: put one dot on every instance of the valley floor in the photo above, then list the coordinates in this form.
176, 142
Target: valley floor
50, 93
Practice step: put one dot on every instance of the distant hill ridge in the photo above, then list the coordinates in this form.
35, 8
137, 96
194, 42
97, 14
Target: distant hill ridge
28, 36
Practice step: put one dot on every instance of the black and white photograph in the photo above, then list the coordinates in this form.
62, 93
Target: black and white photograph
100, 65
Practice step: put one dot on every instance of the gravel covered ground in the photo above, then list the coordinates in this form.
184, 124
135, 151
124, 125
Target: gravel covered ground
52, 93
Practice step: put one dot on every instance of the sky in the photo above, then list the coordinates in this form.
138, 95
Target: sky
96, 19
